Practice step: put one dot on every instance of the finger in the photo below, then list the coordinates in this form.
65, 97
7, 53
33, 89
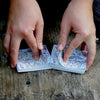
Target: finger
39, 34
91, 47
83, 46
63, 37
6, 42
14, 48
72, 46
31, 41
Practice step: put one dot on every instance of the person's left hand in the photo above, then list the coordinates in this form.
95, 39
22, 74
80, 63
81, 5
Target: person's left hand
78, 17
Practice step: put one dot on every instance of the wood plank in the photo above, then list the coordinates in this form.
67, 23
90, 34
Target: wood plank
50, 84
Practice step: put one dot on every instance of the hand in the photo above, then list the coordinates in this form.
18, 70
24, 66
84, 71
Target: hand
24, 18
78, 17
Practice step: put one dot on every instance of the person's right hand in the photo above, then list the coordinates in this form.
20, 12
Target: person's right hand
24, 18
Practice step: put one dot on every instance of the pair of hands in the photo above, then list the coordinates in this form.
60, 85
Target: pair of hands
25, 17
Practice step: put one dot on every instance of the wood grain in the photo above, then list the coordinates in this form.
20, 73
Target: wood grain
49, 84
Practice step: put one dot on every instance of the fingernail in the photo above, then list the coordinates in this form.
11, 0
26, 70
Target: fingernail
12, 66
88, 66
60, 46
40, 45
87, 69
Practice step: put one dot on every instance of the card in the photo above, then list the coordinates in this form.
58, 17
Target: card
76, 62
26, 61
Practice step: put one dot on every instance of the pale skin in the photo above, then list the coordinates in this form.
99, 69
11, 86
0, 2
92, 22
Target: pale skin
25, 17
78, 17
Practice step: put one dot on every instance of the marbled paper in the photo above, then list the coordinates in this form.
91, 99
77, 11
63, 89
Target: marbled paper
26, 61
76, 62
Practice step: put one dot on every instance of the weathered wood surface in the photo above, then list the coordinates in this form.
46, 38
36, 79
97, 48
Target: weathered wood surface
50, 84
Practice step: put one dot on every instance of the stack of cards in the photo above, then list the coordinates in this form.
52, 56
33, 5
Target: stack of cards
26, 62
76, 62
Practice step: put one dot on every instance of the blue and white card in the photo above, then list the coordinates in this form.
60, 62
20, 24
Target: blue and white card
76, 62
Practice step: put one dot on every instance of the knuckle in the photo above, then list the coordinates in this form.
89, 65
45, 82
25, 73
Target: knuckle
75, 44
72, 48
62, 38
62, 41
34, 47
24, 32
39, 40
86, 34
13, 51
63, 29
13, 29
5, 46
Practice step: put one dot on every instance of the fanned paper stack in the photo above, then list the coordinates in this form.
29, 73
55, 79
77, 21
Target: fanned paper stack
76, 62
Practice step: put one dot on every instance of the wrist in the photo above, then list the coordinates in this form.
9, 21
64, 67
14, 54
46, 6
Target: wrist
22, 2
83, 1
